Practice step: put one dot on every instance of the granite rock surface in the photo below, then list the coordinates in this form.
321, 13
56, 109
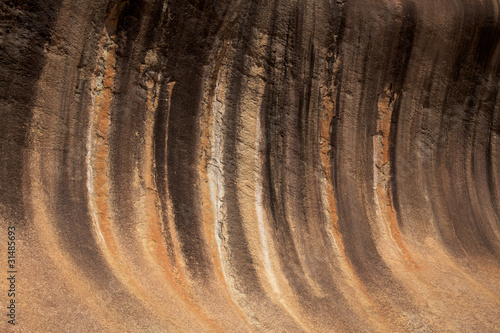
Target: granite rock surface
252, 165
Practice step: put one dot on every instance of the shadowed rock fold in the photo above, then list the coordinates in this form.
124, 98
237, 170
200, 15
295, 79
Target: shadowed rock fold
252, 166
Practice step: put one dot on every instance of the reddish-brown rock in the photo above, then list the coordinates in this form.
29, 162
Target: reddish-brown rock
240, 166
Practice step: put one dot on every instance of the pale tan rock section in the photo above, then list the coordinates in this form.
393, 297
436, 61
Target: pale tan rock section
251, 166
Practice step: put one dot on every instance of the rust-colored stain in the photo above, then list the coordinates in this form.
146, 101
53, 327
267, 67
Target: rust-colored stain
381, 146
246, 166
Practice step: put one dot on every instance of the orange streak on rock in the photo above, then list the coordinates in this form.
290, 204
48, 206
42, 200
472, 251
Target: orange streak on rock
156, 241
208, 216
102, 87
155, 232
383, 194
169, 259
356, 285
175, 254
216, 84
325, 148
156, 245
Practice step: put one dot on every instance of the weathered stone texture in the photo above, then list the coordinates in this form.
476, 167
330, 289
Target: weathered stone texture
252, 165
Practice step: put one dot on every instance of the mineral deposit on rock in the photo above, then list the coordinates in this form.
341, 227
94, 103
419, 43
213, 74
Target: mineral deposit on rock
250, 166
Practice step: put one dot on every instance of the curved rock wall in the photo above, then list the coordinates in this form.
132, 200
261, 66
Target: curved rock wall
236, 166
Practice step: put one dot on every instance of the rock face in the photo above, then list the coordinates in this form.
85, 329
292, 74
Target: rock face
251, 165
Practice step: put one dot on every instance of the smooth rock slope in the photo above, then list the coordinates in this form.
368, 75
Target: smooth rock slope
251, 165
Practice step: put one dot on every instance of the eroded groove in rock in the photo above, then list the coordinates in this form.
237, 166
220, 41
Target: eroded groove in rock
240, 166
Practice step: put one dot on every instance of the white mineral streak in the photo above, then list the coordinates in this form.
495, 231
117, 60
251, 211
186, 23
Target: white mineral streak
215, 176
90, 170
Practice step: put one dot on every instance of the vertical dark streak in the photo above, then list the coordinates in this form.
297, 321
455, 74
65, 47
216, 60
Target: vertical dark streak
272, 110
187, 50
404, 48
21, 65
160, 157
239, 253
